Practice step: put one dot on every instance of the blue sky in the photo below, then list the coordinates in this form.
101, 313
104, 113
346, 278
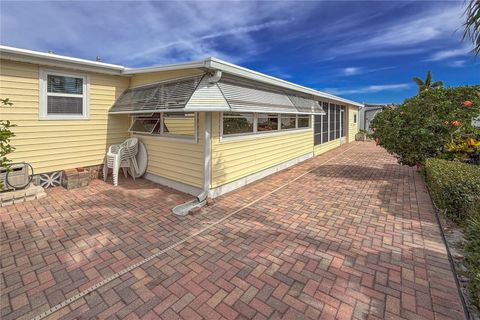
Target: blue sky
365, 51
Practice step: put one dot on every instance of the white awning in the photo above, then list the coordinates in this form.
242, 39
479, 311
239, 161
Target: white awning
197, 94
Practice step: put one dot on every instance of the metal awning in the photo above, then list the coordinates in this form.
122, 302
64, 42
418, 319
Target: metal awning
249, 96
167, 95
245, 99
197, 94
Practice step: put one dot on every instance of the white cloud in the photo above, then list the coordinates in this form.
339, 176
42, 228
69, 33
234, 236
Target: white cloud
350, 71
143, 33
368, 89
407, 35
457, 63
445, 54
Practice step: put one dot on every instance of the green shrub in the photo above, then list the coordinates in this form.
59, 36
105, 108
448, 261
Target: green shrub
455, 188
472, 257
424, 125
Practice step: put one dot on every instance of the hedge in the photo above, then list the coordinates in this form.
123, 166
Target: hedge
472, 257
430, 125
455, 188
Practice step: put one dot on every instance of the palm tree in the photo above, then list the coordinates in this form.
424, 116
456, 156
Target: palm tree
472, 24
427, 84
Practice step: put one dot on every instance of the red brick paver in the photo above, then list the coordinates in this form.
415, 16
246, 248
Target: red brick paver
354, 238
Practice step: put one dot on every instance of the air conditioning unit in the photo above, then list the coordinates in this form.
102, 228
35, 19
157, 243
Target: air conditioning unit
18, 176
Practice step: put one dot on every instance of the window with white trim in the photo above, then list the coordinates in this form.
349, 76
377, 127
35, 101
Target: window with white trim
175, 125
239, 124
267, 122
63, 96
288, 121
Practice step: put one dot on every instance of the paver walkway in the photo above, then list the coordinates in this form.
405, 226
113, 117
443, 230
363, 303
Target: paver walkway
354, 237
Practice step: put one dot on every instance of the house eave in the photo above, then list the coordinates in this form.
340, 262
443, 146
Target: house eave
59, 61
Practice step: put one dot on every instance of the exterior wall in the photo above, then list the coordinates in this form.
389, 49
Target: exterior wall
236, 158
148, 78
177, 159
327, 146
353, 128
53, 145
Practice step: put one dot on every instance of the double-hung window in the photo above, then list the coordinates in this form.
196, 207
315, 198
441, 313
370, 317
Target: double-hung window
63, 96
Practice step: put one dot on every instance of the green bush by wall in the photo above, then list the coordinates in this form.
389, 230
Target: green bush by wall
472, 257
454, 187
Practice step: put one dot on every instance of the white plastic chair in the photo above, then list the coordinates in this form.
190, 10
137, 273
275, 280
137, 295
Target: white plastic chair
121, 156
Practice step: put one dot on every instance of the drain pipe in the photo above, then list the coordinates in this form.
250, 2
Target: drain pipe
201, 199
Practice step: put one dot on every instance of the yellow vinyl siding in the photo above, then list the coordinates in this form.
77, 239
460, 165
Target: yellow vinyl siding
238, 158
53, 145
175, 159
327, 146
148, 78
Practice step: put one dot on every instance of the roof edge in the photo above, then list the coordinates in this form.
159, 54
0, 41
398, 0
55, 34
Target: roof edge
52, 59
56, 60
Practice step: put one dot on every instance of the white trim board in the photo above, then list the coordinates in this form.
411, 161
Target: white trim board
218, 191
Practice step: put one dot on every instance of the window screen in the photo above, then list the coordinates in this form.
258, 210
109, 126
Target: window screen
303, 121
337, 121
64, 105
236, 123
287, 121
325, 123
64, 84
267, 122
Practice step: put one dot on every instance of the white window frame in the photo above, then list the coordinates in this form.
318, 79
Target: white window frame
43, 87
262, 134
289, 129
167, 136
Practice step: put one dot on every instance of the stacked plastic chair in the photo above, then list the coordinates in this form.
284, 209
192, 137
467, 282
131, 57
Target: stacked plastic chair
121, 156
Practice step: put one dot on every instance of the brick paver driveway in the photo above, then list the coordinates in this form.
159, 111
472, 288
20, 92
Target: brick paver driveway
352, 235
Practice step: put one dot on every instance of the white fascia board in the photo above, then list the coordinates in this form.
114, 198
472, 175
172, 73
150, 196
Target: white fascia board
217, 64
56, 60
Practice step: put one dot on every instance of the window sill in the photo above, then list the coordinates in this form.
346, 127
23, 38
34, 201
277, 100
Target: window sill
262, 135
63, 118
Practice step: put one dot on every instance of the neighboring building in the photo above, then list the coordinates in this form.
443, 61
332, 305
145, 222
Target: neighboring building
208, 126
368, 112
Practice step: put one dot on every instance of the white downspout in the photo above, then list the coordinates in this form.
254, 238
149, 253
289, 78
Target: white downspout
201, 199
207, 157
184, 208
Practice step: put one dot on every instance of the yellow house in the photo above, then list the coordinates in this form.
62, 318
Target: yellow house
208, 126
